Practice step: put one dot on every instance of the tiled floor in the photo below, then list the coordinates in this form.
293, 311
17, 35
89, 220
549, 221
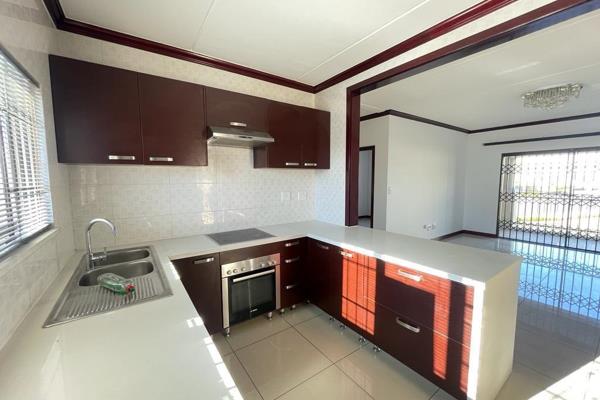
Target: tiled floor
304, 355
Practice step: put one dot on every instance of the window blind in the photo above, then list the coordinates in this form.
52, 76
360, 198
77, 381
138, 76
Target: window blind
25, 201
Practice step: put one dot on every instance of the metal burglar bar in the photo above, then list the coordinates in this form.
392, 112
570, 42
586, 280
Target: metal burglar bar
551, 198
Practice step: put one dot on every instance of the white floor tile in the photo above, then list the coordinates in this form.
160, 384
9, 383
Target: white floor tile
548, 356
523, 383
256, 329
221, 344
301, 313
383, 377
329, 384
242, 381
327, 336
281, 362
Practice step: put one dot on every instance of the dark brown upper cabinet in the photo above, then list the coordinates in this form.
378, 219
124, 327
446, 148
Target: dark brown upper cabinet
96, 113
315, 138
301, 138
224, 108
173, 121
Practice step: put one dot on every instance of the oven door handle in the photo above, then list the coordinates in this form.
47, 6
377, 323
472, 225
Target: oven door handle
245, 278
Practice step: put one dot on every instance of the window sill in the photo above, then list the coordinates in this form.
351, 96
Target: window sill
27, 249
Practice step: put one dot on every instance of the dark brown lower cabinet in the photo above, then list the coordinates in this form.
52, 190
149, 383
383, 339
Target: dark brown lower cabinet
292, 281
201, 277
359, 274
324, 269
440, 359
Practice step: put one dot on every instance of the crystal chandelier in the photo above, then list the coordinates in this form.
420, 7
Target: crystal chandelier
552, 97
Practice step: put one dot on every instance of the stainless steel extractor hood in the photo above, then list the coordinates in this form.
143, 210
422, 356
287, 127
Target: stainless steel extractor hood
237, 137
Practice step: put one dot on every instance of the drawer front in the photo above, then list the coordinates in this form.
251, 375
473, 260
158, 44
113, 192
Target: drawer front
292, 287
359, 273
439, 304
293, 248
438, 358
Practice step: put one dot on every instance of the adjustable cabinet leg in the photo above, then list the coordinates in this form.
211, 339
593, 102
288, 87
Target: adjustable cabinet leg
270, 315
227, 332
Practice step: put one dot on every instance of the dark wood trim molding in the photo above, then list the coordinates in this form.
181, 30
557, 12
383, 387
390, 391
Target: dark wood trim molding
473, 13
412, 117
401, 114
540, 139
539, 122
540, 18
82, 28
372, 150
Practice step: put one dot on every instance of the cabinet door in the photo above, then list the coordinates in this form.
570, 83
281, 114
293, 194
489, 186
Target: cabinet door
359, 276
335, 282
173, 123
315, 139
317, 275
285, 127
225, 108
96, 113
201, 277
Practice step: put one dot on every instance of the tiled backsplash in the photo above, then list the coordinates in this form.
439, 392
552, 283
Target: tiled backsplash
156, 202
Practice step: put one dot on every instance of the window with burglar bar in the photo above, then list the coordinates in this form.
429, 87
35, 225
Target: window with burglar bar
25, 202
551, 198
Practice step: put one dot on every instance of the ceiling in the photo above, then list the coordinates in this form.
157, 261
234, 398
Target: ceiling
307, 41
484, 90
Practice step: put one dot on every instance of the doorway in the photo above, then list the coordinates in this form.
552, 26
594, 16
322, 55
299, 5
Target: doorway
366, 185
551, 198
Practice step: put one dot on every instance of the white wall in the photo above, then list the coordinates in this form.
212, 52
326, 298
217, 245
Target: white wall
26, 31
483, 164
425, 179
330, 184
375, 132
365, 178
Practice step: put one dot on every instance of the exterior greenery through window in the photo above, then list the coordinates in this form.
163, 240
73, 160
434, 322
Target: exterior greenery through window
25, 201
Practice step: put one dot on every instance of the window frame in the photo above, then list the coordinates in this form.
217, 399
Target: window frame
41, 130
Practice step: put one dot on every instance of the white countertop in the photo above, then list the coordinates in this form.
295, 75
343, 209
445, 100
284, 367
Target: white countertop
160, 349
460, 263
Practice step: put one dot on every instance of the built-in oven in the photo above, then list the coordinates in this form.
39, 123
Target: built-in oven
250, 288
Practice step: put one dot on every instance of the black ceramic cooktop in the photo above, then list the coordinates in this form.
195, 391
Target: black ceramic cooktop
242, 235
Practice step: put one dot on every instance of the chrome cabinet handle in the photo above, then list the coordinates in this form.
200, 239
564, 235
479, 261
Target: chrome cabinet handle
113, 157
290, 244
346, 254
204, 260
410, 327
291, 260
292, 164
322, 246
310, 164
289, 287
416, 278
239, 124
161, 159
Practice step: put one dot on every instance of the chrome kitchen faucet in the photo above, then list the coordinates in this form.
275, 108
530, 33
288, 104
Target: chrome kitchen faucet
88, 241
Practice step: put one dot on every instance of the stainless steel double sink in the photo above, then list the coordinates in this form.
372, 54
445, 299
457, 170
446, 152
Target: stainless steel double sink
83, 297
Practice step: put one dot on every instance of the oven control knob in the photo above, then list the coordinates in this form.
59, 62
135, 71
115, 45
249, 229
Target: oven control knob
262, 264
244, 268
228, 272
235, 271
271, 262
